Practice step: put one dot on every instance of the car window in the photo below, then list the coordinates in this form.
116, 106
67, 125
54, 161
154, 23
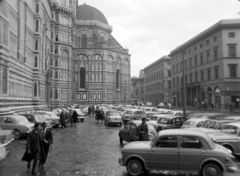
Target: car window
209, 124
133, 128
127, 126
230, 130
163, 121
167, 142
190, 142
199, 124
8, 120
176, 121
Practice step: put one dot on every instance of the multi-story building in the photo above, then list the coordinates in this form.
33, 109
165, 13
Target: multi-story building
56, 52
138, 87
211, 64
157, 81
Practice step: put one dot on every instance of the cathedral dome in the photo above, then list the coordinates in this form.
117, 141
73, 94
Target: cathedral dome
88, 13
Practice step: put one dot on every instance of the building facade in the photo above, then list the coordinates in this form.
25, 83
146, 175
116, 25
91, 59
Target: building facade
157, 81
55, 52
138, 89
211, 61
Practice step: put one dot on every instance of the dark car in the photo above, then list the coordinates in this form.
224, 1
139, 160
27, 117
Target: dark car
33, 118
129, 132
169, 122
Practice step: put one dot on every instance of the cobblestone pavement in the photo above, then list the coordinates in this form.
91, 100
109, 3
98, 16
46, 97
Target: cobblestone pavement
90, 149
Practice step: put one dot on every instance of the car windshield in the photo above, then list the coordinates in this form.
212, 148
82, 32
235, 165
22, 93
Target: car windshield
163, 121
228, 129
189, 123
113, 113
209, 124
22, 120
154, 118
40, 118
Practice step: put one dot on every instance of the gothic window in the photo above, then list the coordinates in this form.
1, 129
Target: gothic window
37, 25
5, 80
36, 61
56, 94
82, 77
84, 41
35, 89
36, 44
118, 79
37, 8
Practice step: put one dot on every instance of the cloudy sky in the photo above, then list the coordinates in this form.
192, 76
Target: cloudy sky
150, 29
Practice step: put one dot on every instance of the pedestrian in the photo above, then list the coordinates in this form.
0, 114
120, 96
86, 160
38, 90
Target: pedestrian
143, 130
89, 110
47, 143
34, 147
101, 115
71, 118
97, 112
62, 119
93, 111
74, 117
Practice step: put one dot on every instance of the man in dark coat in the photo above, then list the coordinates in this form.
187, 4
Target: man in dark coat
62, 119
143, 130
97, 112
101, 115
47, 142
34, 147
74, 116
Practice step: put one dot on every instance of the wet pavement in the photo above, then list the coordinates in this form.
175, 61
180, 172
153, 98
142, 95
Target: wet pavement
90, 149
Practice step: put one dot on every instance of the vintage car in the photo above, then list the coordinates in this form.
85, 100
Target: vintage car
162, 111
228, 137
81, 115
112, 118
167, 121
216, 124
149, 114
178, 150
233, 118
146, 109
33, 118
52, 116
213, 116
193, 123
16, 123
129, 132
6, 137
133, 114
180, 113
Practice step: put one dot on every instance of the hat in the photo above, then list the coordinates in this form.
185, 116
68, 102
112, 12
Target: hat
37, 124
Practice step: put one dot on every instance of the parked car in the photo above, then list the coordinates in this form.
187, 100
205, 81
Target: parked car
133, 114
85, 109
147, 109
237, 118
229, 137
6, 137
184, 151
33, 118
162, 111
193, 123
215, 124
81, 115
129, 132
17, 123
112, 118
52, 116
161, 105
180, 113
169, 122
149, 114
214, 116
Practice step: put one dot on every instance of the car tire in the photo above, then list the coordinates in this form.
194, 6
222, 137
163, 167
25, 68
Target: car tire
211, 169
120, 139
17, 134
135, 167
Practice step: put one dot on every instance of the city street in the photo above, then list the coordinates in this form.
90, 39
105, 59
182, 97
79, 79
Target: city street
89, 149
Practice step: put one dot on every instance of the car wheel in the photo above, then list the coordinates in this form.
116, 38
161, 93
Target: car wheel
17, 134
134, 167
211, 170
120, 139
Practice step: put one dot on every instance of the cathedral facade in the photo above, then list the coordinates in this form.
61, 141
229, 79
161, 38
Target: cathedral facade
55, 52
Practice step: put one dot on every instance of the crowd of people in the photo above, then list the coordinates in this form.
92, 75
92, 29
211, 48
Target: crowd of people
39, 141
68, 118
98, 113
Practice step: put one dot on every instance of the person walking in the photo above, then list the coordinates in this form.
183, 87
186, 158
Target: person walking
93, 111
71, 118
97, 112
34, 148
101, 115
47, 143
89, 111
143, 130
74, 117
62, 119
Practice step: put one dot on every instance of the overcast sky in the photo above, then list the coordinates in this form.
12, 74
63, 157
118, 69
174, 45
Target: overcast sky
151, 29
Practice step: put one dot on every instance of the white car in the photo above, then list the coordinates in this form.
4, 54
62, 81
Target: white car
112, 118
53, 117
193, 123
81, 115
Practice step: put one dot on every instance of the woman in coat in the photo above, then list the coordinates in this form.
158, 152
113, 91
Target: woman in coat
74, 117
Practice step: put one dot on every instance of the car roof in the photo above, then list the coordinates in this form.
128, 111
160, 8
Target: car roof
237, 124
221, 120
138, 122
196, 120
211, 113
185, 132
167, 116
12, 116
